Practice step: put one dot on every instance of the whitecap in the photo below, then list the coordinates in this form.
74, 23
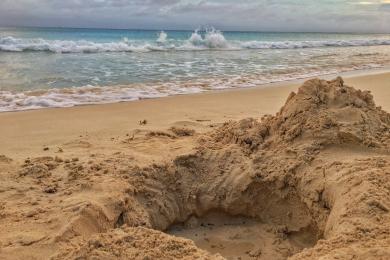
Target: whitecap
209, 39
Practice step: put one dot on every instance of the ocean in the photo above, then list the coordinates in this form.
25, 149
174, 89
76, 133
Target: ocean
61, 67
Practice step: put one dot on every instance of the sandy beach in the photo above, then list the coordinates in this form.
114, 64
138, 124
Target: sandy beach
117, 180
25, 134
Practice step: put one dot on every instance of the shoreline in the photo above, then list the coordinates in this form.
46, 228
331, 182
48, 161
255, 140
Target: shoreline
27, 132
329, 76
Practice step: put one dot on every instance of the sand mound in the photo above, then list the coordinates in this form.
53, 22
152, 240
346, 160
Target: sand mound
137, 243
311, 182
322, 112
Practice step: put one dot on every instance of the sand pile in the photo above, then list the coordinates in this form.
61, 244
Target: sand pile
311, 182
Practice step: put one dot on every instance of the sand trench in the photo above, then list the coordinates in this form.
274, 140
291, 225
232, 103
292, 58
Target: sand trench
311, 182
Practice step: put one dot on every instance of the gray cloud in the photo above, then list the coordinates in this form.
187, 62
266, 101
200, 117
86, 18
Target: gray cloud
267, 15
385, 7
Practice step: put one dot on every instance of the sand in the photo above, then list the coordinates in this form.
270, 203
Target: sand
204, 176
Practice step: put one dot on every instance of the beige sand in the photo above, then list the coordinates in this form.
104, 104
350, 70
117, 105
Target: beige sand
93, 182
24, 134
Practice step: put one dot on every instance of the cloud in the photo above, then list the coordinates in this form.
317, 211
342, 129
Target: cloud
268, 15
385, 7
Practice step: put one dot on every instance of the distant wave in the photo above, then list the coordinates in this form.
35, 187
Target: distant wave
162, 37
12, 44
312, 44
207, 40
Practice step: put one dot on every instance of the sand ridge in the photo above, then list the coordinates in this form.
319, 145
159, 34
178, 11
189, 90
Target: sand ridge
319, 168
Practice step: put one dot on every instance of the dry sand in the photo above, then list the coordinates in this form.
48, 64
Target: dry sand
310, 182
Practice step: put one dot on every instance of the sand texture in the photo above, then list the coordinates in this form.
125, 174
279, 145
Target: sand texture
309, 182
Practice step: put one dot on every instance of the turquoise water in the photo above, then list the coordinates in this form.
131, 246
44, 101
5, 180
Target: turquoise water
57, 67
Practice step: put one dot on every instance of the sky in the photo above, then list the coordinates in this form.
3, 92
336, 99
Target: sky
258, 15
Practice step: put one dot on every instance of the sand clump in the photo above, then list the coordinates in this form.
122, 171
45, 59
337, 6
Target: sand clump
311, 182
138, 243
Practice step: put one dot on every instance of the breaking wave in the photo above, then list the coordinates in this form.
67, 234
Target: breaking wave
209, 39
162, 37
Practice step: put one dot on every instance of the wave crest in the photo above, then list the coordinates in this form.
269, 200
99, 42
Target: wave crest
205, 39
212, 39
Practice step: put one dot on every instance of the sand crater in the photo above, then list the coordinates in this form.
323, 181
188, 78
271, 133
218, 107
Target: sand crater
240, 237
261, 224
237, 218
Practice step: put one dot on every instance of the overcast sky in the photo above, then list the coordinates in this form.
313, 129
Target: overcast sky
260, 15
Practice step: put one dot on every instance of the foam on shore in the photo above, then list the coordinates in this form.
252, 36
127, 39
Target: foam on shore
88, 95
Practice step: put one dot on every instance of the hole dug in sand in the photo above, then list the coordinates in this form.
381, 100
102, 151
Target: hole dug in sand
235, 214
266, 221
240, 237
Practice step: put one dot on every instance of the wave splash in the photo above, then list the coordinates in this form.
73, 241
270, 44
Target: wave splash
211, 38
162, 37
201, 39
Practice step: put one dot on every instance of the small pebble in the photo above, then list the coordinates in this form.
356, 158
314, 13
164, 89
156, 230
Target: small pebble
31, 213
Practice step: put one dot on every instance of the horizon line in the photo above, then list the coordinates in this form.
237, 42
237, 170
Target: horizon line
183, 30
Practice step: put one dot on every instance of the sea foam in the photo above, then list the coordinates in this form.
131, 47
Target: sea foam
209, 39
74, 96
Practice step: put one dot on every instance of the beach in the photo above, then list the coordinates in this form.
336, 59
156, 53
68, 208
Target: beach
227, 169
194, 130
27, 133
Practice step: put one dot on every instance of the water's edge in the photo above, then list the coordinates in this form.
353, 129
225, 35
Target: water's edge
349, 74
